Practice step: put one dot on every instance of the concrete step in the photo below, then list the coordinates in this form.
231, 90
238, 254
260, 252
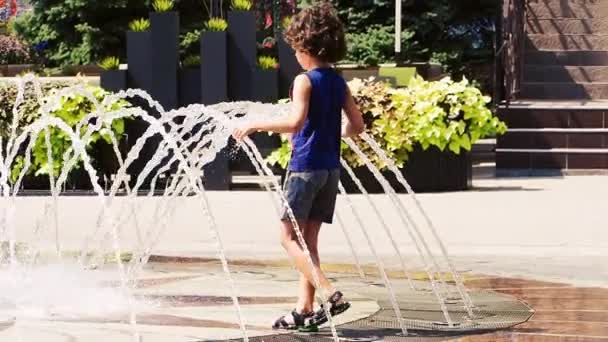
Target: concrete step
548, 139
567, 26
558, 73
567, 42
555, 115
581, 58
563, 91
566, 8
557, 158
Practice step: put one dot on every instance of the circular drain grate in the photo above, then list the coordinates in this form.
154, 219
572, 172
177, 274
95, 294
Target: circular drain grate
422, 317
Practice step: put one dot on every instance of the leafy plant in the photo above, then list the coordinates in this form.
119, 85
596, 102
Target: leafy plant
163, 5
72, 109
241, 5
192, 61
267, 62
189, 42
286, 22
216, 24
13, 51
444, 114
139, 25
110, 63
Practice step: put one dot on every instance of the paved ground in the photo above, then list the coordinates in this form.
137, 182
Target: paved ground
546, 231
552, 229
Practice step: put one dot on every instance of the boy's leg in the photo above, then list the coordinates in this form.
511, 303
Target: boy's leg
306, 296
290, 242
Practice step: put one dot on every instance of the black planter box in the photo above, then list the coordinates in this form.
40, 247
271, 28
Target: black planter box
289, 67
265, 90
214, 67
242, 51
217, 173
138, 60
265, 86
426, 171
189, 86
113, 80
164, 58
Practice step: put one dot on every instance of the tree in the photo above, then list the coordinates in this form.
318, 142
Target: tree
75, 32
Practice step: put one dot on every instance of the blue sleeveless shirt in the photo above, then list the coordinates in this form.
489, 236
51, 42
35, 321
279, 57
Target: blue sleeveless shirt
317, 145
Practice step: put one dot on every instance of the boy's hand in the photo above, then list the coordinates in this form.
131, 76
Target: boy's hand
241, 132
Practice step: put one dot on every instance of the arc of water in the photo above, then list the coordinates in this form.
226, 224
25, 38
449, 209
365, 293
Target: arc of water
381, 268
79, 146
321, 292
404, 216
382, 222
391, 165
156, 127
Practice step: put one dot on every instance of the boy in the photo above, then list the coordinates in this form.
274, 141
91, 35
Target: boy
319, 95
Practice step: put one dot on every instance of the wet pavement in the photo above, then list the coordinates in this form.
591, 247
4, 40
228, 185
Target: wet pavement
190, 301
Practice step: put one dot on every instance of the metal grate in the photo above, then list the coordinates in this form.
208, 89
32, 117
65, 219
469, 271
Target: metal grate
422, 317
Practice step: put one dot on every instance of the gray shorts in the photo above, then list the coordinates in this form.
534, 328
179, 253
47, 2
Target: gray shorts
312, 194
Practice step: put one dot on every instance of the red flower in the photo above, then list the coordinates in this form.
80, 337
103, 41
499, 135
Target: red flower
268, 20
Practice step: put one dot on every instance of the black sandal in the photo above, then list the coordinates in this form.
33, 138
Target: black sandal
293, 321
336, 304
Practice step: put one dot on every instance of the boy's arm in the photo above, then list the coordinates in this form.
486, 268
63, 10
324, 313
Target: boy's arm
355, 124
290, 124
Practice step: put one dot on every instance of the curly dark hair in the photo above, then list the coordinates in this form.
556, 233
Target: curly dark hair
318, 31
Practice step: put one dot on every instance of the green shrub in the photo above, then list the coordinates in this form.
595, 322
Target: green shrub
377, 45
192, 61
267, 62
71, 110
139, 25
241, 5
163, 5
110, 63
78, 32
444, 114
216, 24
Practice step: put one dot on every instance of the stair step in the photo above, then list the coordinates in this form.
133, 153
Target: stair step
566, 9
553, 90
535, 115
574, 58
551, 140
567, 42
556, 73
567, 26
563, 159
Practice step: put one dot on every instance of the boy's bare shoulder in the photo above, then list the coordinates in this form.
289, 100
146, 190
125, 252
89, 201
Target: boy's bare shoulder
302, 81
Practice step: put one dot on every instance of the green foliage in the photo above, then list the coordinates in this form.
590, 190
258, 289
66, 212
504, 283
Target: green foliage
285, 22
376, 45
282, 155
267, 62
241, 5
76, 32
163, 5
216, 24
28, 111
192, 61
446, 114
189, 43
461, 31
71, 109
110, 63
139, 25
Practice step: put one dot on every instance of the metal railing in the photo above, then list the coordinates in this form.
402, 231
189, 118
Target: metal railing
510, 49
